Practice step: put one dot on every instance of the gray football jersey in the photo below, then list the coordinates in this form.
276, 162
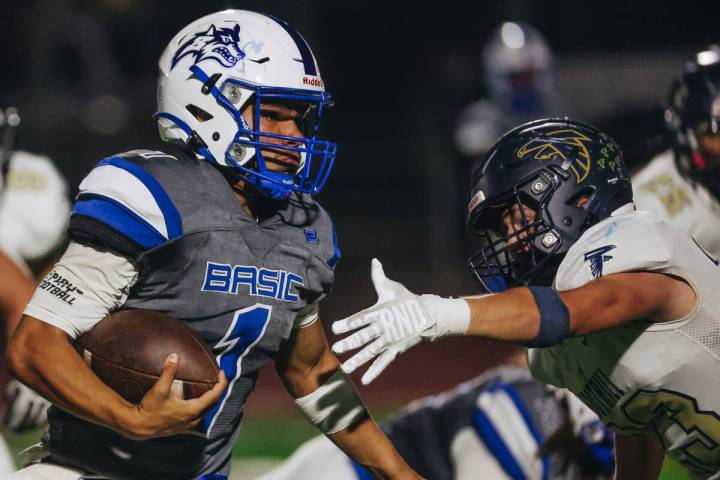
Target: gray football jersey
513, 415
239, 283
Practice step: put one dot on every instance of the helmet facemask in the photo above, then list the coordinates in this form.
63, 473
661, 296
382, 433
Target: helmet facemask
518, 257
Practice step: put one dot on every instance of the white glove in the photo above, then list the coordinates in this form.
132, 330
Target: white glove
24, 409
397, 321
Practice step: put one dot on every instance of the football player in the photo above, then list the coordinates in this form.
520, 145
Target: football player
683, 184
615, 304
225, 236
34, 208
500, 425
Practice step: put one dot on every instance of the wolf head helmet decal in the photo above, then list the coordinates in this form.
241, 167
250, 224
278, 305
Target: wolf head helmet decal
219, 44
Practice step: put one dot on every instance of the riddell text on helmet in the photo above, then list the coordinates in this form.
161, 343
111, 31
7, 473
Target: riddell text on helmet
313, 82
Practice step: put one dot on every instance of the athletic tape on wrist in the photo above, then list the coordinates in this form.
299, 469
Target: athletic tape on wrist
554, 317
334, 406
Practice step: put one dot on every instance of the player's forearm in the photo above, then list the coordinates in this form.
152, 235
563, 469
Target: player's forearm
34, 354
511, 316
369, 446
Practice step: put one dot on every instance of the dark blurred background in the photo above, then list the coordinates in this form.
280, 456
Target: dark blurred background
82, 74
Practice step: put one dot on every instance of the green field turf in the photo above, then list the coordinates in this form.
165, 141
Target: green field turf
277, 438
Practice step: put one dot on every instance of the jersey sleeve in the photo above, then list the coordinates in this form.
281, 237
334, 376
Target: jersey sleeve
82, 288
123, 208
630, 242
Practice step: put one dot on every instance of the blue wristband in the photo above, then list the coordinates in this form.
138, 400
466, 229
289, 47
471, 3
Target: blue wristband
554, 317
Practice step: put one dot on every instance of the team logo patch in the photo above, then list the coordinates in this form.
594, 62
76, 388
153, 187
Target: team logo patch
311, 235
596, 258
544, 148
218, 44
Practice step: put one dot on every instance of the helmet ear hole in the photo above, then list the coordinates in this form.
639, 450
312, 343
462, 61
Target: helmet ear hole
199, 114
581, 197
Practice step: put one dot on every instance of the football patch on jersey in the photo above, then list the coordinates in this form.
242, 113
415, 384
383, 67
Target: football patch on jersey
596, 258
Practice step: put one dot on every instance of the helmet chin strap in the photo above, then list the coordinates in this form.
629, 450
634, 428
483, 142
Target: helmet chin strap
273, 189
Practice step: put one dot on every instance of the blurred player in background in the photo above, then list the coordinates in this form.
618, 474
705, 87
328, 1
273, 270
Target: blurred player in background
15, 287
34, 209
519, 77
33, 215
617, 305
683, 183
500, 425
224, 236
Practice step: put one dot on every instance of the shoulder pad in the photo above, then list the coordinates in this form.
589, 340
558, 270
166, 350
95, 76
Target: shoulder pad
317, 232
122, 201
631, 241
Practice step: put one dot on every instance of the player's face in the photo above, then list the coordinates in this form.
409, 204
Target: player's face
710, 147
514, 223
278, 119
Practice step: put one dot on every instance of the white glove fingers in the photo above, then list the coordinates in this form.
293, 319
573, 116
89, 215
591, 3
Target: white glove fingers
357, 339
379, 280
379, 365
363, 356
353, 322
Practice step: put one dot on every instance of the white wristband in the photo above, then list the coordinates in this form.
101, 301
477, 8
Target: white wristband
452, 316
334, 406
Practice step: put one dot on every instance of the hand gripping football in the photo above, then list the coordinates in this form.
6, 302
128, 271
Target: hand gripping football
127, 350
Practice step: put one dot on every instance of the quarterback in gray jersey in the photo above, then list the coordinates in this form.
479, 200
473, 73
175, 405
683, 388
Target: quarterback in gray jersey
224, 236
500, 425
617, 305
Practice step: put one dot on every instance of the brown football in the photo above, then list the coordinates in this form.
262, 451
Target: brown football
127, 351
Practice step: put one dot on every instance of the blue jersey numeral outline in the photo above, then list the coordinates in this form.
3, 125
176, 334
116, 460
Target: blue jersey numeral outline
246, 330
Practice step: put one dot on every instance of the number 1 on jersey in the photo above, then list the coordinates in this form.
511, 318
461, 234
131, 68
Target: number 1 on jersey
246, 330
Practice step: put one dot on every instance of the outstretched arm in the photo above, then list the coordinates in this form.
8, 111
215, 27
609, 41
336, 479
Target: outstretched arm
311, 374
515, 315
535, 316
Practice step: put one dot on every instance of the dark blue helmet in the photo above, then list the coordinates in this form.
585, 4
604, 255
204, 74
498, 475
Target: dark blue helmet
693, 113
571, 175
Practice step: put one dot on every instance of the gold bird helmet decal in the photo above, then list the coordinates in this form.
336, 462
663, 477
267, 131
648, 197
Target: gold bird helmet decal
546, 147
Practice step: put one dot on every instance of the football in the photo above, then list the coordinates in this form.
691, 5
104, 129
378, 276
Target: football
127, 350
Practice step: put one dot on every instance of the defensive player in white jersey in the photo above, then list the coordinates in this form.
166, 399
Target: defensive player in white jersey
616, 304
682, 184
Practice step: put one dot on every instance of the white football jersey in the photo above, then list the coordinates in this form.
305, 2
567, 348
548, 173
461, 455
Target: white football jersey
34, 208
660, 188
661, 378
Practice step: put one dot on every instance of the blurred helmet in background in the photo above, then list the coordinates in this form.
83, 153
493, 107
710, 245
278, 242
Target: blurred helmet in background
518, 67
519, 75
219, 64
693, 118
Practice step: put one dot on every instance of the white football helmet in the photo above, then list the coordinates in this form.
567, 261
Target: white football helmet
519, 70
214, 67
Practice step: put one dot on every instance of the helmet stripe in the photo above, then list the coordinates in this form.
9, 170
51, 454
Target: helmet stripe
305, 53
